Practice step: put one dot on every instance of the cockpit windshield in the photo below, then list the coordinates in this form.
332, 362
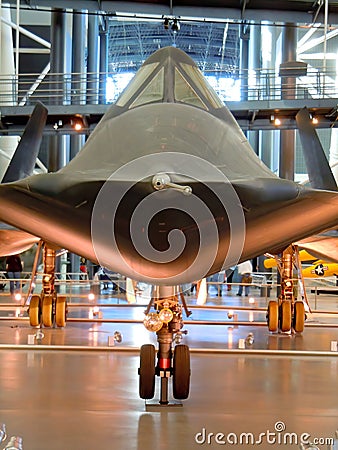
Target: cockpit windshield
201, 83
136, 83
184, 84
153, 92
185, 93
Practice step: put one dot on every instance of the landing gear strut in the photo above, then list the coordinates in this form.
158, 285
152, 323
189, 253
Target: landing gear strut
172, 361
48, 308
286, 314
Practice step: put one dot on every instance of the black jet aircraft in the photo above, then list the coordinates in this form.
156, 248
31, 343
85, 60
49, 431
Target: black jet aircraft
167, 190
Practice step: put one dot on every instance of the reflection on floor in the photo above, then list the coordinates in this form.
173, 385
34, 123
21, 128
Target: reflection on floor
86, 400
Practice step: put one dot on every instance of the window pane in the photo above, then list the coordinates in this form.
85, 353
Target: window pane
135, 83
203, 85
185, 93
153, 92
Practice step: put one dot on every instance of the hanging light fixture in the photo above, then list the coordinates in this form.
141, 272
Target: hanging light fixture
175, 26
166, 23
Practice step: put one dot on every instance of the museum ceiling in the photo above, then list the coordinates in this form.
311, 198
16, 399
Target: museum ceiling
297, 11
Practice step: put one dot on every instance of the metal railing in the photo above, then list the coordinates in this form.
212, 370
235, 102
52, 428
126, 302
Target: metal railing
77, 290
91, 88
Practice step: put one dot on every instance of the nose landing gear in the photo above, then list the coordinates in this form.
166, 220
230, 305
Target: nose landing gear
172, 362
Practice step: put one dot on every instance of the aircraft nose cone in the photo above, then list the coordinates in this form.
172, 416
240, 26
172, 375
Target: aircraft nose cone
167, 227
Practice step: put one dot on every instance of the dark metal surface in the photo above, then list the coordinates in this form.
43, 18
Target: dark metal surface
23, 161
320, 174
60, 207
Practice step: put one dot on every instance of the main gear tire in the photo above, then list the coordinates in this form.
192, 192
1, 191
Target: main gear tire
181, 372
272, 316
34, 311
285, 316
298, 317
147, 372
47, 311
61, 311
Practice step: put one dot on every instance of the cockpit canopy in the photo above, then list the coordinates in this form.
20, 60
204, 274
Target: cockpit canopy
172, 78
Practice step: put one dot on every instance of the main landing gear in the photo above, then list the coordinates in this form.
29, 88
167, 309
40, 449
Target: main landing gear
170, 362
48, 308
286, 314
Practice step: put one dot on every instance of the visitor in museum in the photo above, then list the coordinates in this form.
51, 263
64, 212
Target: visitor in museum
244, 271
14, 267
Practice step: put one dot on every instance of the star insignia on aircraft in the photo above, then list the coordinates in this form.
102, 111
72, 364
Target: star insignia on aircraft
320, 270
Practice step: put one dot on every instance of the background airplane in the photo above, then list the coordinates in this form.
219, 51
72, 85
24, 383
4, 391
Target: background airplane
321, 269
317, 269
167, 190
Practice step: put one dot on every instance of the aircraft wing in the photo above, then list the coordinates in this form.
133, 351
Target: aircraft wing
269, 263
62, 212
13, 242
322, 247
